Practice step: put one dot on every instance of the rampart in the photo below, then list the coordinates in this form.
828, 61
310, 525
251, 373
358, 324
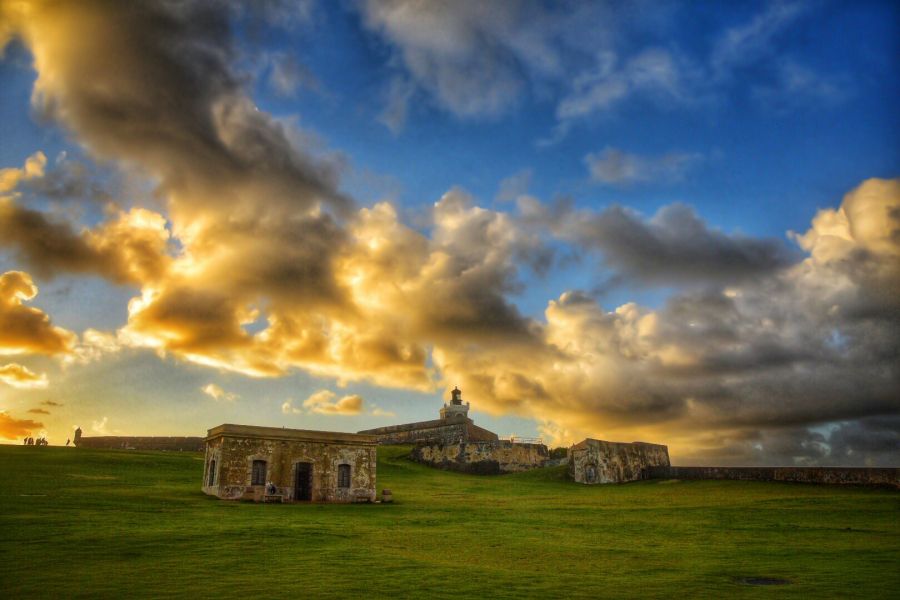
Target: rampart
482, 458
114, 442
438, 431
597, 461
882, 477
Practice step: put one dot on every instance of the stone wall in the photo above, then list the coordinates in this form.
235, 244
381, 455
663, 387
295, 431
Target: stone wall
597, 461
884, 477
112, 442
232, 456
439, 431
483, 458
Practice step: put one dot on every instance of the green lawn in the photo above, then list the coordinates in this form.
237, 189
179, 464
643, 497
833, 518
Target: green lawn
84, 523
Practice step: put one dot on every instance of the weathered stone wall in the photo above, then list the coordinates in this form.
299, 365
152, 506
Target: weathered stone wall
113, 442
439, 431
484, 458
234, 462
884, 477
597, 461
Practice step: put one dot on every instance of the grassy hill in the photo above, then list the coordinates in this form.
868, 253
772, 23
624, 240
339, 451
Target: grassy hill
83, 523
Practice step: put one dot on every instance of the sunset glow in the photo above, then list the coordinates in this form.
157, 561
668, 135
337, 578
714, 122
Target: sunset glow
594, 218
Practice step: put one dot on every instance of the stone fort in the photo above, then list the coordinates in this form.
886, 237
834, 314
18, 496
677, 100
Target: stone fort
453, 427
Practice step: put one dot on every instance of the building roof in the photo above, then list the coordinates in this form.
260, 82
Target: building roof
282, 433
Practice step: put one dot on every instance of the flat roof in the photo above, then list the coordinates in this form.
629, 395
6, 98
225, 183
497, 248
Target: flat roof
283, 433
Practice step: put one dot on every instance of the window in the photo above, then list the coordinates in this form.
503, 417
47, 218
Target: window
259, 473
212, 472
343, 476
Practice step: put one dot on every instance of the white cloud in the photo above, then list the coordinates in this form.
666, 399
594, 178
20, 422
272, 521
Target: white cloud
100, 426
217, 393
288, 408
751, 41
396, 108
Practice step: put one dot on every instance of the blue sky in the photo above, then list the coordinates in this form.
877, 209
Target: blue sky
555, 138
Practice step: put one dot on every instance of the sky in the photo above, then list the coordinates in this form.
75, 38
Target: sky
662, 221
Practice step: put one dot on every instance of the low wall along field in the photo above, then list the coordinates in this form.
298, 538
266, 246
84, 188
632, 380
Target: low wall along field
885, 477
115, 442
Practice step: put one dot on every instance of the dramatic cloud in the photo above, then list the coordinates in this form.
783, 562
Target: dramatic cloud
21, 377
324, 402
38, 411
217, 393
24, 329
615, 167
13, 429
130, 247
253, 262
810, 344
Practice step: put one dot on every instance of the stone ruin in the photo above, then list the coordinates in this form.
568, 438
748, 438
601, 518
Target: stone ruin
596, 461
245, 462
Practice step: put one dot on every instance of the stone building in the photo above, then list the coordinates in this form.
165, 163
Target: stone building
595, 461
317, 466
453, 427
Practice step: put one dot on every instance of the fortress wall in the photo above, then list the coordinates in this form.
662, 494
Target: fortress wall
886, 477
443, 433
440, 431
114, 442
483, 458
597, 461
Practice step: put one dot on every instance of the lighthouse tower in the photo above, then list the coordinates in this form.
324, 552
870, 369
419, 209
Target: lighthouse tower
456, 410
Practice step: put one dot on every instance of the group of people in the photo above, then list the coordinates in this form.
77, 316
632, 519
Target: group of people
30, 441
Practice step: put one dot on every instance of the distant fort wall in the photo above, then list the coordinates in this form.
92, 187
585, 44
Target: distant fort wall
882, 477
482, 458
115, 442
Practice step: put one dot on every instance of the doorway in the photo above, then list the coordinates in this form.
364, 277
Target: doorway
303, 481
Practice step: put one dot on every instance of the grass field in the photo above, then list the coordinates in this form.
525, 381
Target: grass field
83, 523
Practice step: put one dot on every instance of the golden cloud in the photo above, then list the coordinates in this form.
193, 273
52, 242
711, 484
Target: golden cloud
13, 429
21, 377
323, 402
24, 329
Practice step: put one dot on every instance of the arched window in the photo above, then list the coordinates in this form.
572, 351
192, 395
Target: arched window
212, 472
343, 476
259, 473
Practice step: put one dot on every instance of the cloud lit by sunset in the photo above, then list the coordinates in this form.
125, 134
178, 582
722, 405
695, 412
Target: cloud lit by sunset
595, 223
